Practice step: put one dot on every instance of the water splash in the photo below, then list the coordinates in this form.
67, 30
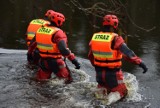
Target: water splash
81, 93
19, 90
132, 86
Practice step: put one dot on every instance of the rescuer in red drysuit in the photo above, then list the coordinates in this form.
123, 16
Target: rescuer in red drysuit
33, 57
51, 42
106, 50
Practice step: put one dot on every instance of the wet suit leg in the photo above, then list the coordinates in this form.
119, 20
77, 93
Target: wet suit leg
100, 78
59, 68
106, 77
44, 72
121, 87
111, 79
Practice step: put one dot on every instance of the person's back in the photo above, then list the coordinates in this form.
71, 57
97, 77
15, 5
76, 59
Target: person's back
101, 45
44, 42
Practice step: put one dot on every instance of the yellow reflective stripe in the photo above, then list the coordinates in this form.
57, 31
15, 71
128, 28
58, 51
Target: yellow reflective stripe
45, 30
102, 37
30, 34
103, 54
44, 46
38, 21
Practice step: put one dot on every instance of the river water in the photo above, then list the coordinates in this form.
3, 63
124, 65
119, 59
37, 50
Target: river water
18, 90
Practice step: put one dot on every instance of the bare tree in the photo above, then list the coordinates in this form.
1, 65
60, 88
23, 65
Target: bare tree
98, 8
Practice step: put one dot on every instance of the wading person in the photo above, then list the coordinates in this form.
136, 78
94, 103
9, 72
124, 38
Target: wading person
52, 45
34, 25
106, 51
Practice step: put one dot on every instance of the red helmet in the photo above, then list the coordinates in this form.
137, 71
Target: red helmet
57, 18
111, 20
48, 13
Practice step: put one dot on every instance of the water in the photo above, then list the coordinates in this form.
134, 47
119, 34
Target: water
18, 90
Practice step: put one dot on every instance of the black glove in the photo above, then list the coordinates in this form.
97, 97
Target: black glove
144, 67
76, 63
